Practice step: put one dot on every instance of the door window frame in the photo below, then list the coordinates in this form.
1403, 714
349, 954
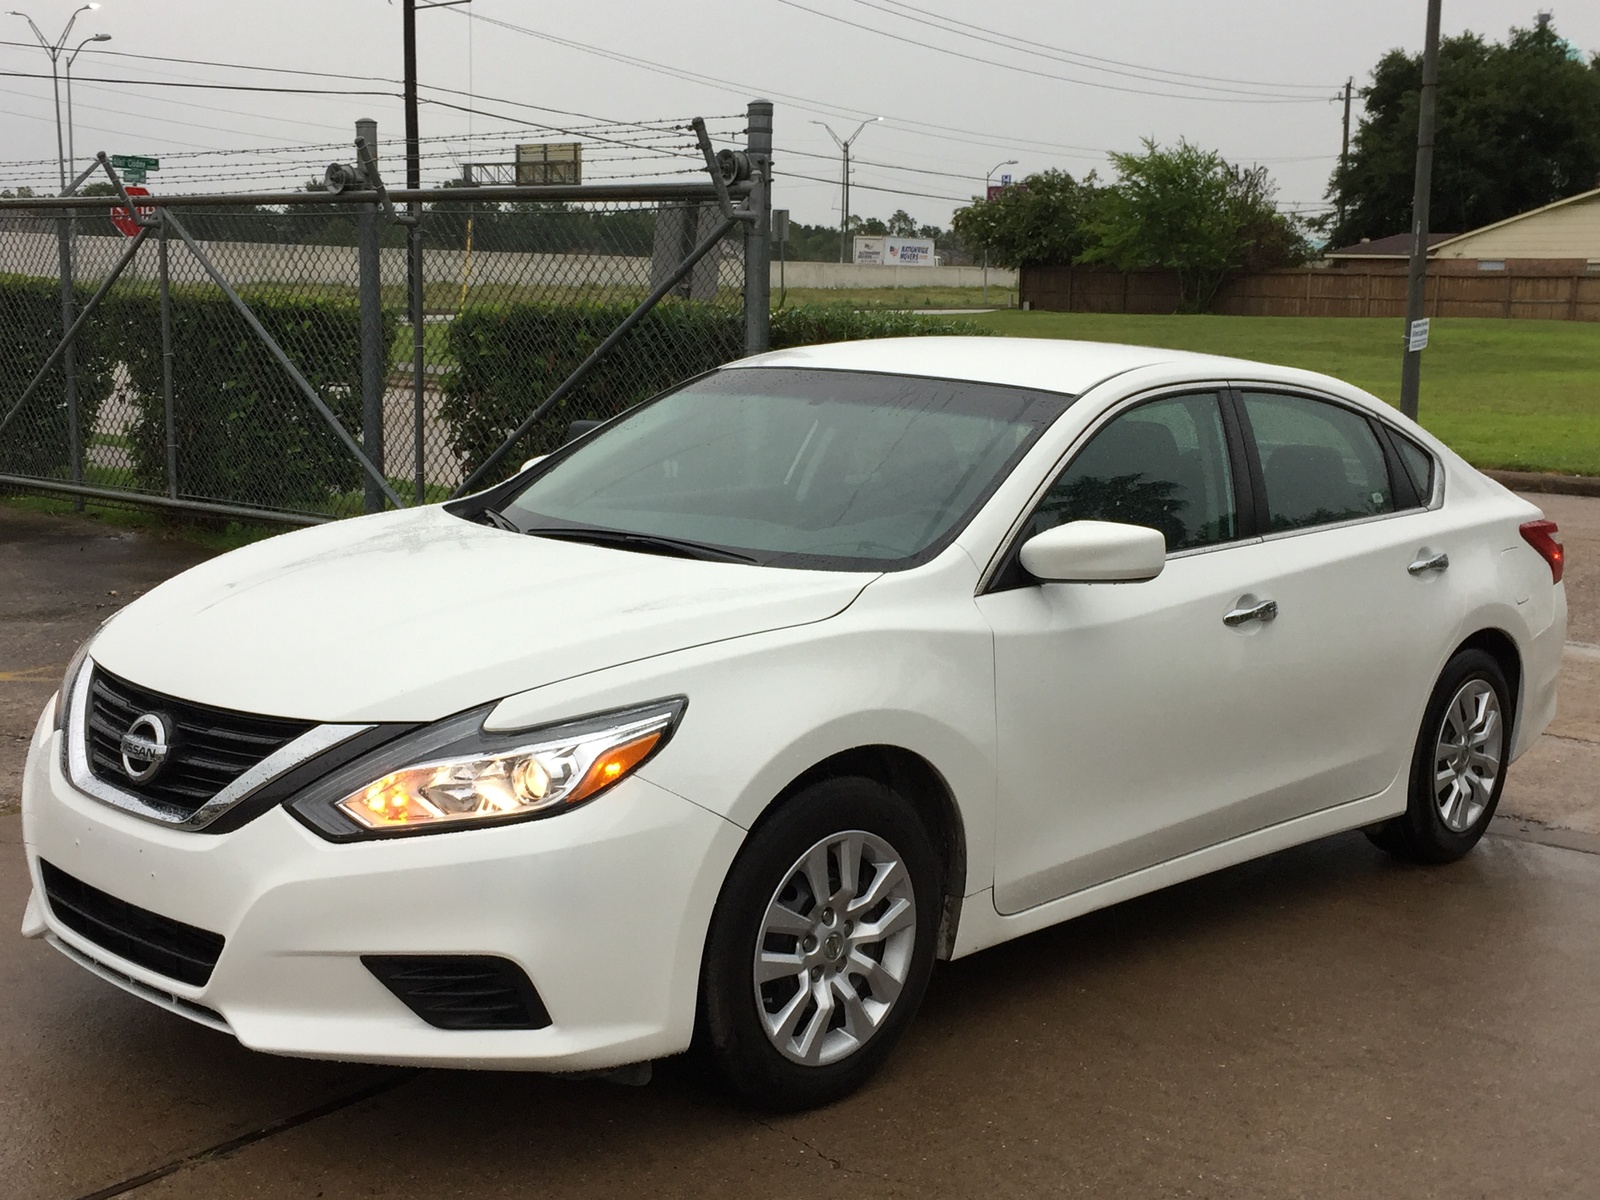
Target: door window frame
1006, 572
1407, 500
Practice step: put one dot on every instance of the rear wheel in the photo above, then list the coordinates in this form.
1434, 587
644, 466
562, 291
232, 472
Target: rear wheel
1458, 767
821, 945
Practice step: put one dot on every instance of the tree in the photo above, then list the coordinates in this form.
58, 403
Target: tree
1042, 221
1518, 127
1190, 211
901, 224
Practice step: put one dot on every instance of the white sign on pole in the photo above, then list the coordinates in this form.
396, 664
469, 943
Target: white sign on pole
1418, 339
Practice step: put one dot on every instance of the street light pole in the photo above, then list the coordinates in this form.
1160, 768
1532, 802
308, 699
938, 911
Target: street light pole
53, 49
1010, 162
844, 145
72, 153
64, 228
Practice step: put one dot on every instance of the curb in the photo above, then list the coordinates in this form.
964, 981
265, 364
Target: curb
1540, 481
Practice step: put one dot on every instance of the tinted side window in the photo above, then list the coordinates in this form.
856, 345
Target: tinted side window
1321, 462
1162, 464
1418, 464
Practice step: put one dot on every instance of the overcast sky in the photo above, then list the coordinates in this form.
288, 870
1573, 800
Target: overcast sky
955, 99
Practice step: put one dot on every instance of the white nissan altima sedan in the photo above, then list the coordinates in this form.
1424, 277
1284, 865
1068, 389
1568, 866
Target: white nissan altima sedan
719, 725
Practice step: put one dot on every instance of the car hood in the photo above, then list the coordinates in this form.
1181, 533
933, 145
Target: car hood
411, 616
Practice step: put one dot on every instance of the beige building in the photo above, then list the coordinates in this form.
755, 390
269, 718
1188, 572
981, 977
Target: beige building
1568, 230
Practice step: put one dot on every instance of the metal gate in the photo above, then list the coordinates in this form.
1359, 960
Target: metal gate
275, 355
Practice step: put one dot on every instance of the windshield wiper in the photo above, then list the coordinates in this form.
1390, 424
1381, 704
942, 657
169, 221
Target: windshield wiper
648, 542
499, 520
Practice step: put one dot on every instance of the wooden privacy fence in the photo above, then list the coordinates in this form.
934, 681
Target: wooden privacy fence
1455, 289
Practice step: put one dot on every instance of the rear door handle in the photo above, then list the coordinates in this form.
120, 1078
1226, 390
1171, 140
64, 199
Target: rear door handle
1266, 610
1430, 562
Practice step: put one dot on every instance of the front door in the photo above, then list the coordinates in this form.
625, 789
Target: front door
1136, 722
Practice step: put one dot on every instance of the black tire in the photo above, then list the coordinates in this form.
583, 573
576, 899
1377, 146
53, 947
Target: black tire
1421, 833
733, 1036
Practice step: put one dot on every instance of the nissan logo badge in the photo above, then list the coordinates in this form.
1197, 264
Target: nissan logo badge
145, 747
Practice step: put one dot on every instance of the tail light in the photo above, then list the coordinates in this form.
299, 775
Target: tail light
1541, 535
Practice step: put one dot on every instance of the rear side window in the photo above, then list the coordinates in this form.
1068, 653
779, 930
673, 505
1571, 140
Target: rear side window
1418, 464
1163, 464
1321, 463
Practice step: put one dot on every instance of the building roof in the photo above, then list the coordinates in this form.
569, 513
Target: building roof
1396, 245
1580, 198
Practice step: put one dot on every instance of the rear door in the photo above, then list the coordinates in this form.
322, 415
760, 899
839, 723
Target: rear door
1359, 570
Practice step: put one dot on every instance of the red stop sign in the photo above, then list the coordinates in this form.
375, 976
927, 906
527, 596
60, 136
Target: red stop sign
124, 220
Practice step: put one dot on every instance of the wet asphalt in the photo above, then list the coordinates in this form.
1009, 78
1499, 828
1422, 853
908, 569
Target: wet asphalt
1320, 1023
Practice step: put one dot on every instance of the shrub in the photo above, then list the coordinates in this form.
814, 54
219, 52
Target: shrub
245, 432
35, 443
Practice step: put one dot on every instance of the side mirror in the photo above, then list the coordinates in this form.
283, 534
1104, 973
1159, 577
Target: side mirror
1096, 552
533, 462
578, 428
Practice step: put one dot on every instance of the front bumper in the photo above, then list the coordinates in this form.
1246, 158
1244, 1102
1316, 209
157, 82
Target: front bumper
605, 908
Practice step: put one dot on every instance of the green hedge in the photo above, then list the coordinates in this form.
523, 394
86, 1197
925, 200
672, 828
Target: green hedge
35, 442
510, 358
245, 432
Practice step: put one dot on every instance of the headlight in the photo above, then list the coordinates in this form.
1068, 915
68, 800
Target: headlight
453, 774
64, 695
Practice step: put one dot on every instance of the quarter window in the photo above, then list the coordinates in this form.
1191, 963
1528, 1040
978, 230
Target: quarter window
1321, 463
1163, 464
1418, 464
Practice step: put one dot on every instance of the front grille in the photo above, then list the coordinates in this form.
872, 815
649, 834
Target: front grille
461, 991
169, 947
211, 747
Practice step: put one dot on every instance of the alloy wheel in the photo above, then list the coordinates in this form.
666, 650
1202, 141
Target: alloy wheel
835, 947
1467, 755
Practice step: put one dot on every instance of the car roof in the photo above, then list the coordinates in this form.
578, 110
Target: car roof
1043, 364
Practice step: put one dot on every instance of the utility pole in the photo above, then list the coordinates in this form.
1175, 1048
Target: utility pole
1344, 147
1416, 333
844, 145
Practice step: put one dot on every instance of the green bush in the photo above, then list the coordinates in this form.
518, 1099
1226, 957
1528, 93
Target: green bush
245, 433
35, 443
510, 358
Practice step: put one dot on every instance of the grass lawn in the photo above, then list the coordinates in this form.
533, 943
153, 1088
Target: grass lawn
1521, 395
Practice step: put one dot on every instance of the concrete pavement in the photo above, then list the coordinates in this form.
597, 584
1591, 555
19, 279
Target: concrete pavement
1321, 1023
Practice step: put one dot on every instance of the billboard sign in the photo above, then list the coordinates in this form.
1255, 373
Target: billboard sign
908, 252
869, 251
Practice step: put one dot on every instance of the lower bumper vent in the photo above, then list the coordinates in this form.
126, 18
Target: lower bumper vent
168, 947
461, 991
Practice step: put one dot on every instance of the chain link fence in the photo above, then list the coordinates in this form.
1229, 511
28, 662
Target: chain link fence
253, 355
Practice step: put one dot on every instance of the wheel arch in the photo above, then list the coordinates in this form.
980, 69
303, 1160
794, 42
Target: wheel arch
920, 783
1502, 647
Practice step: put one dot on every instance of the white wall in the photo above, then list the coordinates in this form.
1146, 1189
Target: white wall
851, 275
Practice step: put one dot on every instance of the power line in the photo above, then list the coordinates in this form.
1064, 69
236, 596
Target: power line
1032, 46
220, 87
1110, 87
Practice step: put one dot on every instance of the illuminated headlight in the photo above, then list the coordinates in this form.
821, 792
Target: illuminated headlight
454, 774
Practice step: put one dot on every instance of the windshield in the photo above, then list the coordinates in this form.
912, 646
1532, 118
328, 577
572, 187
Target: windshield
806, 468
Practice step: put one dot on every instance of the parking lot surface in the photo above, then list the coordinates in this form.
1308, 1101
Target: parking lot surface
1323, 1022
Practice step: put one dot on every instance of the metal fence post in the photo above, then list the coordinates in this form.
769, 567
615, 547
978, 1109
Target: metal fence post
165, 284
69, 362
374, 354
758, 233
414, 265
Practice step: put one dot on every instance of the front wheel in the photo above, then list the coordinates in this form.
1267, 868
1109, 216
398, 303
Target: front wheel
821, 945
1458, 767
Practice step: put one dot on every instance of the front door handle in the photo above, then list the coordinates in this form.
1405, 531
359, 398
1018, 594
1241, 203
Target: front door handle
1430, 562
1266, 610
